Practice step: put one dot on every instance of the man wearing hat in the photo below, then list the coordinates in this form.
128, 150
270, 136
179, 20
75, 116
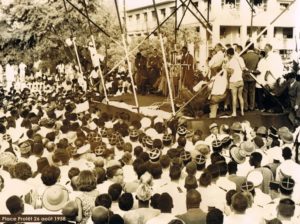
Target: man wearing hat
214, 134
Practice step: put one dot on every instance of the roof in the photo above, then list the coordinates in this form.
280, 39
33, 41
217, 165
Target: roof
149, 4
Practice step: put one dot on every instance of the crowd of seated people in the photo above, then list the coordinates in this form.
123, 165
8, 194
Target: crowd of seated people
62, 155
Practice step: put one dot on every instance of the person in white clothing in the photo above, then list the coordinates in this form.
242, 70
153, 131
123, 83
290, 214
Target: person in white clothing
1, 75
218, 93
10, 76
215, 63
274, 67
234, 69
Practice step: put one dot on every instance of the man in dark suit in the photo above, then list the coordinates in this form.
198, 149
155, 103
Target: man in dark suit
251, 59
194, 214
155, 64
141, 72
187, 69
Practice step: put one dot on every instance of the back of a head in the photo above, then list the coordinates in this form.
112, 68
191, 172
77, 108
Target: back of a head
205, 179
230, 51
175, 172
15, 205
256, 158
116, 219
100, 215
239, 203
232, 167
126, 201
115, 191
70, 210
251, 46
214, 216
103, 200
274, 221
176, 221
229, 195
50, 175
165, 202
193, 199
286, 208
286, 153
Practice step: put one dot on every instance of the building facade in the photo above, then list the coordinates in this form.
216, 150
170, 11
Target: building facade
231, 21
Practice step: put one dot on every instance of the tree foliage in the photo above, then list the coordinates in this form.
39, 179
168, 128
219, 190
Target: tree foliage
37, 29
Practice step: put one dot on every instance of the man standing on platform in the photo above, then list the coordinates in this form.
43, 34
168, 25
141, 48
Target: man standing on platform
251, 59
155, 64
215, 63
141, 72
187, 65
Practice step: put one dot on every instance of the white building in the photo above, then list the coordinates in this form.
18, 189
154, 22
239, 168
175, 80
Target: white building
230, 21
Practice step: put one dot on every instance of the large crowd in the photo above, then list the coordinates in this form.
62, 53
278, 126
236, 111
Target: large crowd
61, 154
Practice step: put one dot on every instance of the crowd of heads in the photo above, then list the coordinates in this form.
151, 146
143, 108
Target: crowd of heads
93, 166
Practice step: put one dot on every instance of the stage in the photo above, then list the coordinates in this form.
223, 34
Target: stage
153, 105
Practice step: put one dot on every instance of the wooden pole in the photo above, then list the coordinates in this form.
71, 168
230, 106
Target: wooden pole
127, 58
77, 56
165, 61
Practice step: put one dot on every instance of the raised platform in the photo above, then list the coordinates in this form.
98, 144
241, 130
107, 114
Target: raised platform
151, 105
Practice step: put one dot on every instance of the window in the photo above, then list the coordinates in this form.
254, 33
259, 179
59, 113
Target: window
257, 29
198, 29
137, 17
231, 3
130, 18
283, 6
222, 31
172, 9
196, 4
145, 16
257, 2
153, 15
163, 13
287, 32
283, 32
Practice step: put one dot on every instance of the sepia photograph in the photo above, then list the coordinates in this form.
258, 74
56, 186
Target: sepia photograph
149, 111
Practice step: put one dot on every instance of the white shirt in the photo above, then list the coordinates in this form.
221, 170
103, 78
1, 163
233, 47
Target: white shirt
237, 64
219, 85
216, 60
275, 66
163, 218
262, 67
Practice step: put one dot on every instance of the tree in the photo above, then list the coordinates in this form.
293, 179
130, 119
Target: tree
38, 29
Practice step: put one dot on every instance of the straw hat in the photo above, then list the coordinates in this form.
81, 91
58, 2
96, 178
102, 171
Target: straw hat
236, 155
55, 197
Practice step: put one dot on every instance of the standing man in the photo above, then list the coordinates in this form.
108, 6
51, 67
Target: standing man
155, 64
22, 71
141, 72
187, 65
1, 76
274, 67
215, 63
10, 76
251, 59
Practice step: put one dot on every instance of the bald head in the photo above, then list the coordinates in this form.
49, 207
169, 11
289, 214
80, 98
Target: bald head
193, 199
100, 215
